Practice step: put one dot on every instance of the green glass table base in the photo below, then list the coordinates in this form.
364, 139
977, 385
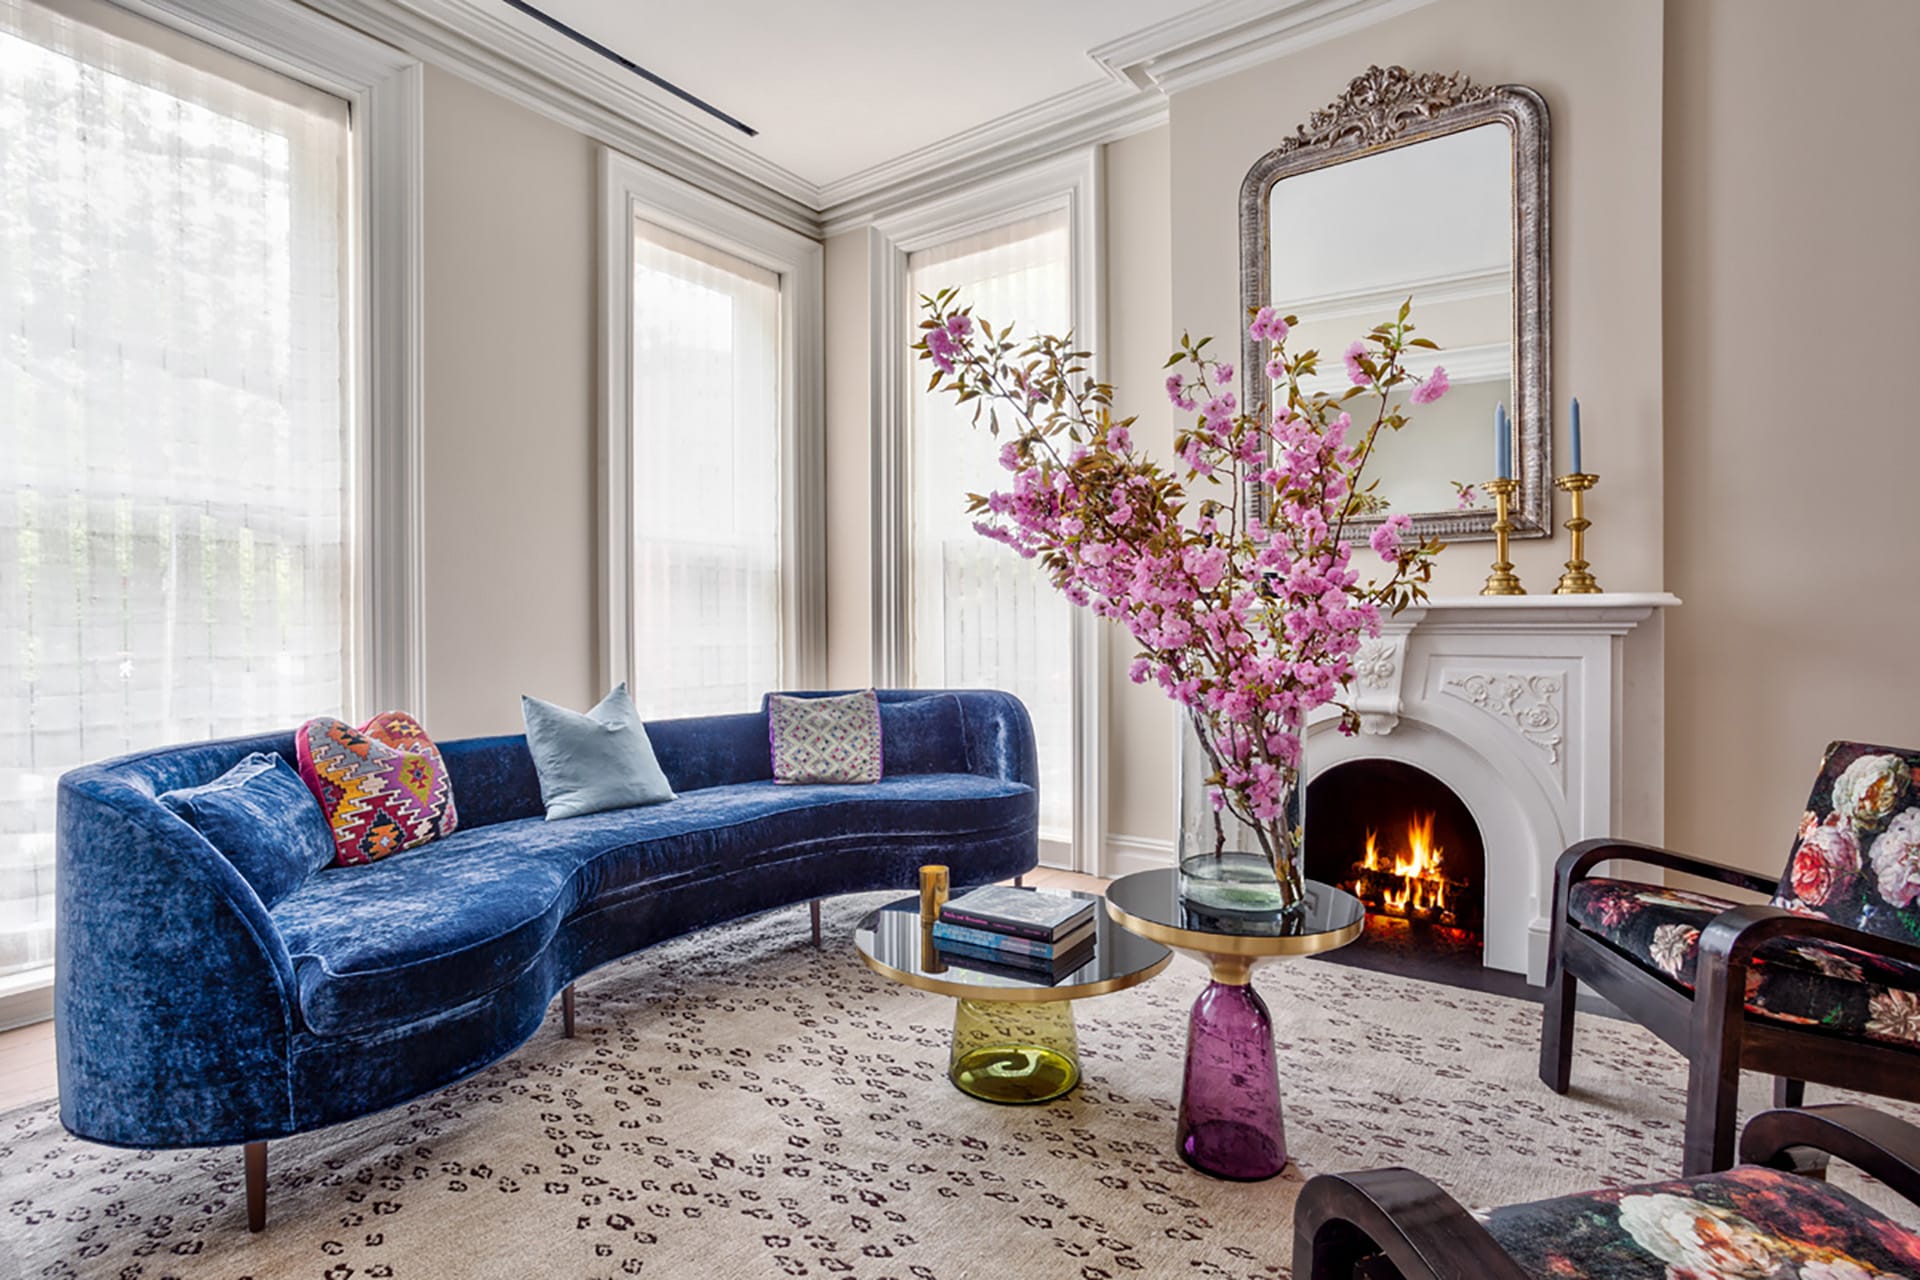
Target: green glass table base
1014, 1052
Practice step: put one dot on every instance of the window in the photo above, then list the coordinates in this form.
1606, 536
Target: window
714, 589
706, 476
982, 617
177, 548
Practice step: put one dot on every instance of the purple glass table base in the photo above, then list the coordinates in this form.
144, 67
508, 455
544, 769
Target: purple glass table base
1230, 1124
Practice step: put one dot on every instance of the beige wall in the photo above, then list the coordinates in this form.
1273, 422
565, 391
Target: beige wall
510, 410
1140, 333
849, 463
1793, 180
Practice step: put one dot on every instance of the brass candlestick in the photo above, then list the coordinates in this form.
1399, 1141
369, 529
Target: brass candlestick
1502, 581
1576, 581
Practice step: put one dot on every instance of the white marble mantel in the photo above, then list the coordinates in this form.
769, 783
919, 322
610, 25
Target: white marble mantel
1543, 713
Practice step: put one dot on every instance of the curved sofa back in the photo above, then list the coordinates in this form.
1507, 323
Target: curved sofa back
174, 995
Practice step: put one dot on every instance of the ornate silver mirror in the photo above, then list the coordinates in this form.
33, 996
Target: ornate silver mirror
1434, 188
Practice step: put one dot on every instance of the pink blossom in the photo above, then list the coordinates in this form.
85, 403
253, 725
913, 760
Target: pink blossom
1267, 326
959, 325
1119, 440
1386, 539
1225, 373
1433, 388
1356, 370
941, 349
1177, 392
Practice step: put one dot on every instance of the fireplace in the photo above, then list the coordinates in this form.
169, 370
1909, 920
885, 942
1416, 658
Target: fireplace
1401, 841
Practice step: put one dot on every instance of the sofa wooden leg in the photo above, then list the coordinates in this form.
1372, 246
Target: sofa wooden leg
1788, 1092
256, 1157
566, 1012
813, 909
1556, 1028
1019, 881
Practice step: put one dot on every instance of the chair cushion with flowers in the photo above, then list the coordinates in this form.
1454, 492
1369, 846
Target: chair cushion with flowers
1803, 981
1750, 1222
1856, 859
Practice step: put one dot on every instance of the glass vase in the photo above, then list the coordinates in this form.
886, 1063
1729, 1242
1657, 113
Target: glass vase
1230, 1124
1229, 864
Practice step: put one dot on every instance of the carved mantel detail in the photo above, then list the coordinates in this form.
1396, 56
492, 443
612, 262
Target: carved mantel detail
1377, 668
1530, 703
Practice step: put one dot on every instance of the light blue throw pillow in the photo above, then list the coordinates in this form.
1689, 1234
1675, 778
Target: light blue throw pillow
593, 762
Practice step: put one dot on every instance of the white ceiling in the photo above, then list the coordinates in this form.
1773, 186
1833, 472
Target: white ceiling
837, 86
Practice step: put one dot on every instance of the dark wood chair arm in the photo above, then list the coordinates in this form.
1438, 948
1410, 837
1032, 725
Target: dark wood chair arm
1884, 1146
1419, 1228
1730, 939
1583, 857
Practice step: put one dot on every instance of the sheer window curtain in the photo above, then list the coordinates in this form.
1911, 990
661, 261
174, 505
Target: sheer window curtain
175, 447
706, 477
981, 616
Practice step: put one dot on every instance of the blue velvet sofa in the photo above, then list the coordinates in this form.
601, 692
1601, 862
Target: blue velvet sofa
189, 1012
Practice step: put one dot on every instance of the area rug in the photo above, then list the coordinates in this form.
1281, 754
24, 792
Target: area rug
742, 1104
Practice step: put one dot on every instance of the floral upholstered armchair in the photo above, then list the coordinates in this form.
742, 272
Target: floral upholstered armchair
1822, 985
1765, 1220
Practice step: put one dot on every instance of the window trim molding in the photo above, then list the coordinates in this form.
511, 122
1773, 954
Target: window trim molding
630, 189
383, 88
1072, 182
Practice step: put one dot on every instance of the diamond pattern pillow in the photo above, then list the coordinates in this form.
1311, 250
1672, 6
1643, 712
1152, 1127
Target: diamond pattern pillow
825, 739
383, 786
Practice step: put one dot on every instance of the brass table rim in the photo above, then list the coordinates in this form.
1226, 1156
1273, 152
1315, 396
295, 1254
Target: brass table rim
1234, 944
981, 993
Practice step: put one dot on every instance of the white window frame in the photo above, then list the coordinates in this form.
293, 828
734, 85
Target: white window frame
631, 190
382, 88
1071, 183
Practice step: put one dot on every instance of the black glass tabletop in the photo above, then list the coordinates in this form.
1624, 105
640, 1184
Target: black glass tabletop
1149, 903
893, 941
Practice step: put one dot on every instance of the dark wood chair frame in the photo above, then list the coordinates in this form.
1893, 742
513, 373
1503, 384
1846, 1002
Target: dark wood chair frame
1710, 1027
1394, 1224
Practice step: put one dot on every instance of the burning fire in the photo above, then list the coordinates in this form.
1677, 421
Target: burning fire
1412, 883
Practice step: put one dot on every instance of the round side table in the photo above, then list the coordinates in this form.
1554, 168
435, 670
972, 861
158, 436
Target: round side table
1014, 1039
1230, 1124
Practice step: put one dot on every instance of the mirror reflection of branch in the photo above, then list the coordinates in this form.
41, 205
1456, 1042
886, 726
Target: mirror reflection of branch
1466, 495
1249, 623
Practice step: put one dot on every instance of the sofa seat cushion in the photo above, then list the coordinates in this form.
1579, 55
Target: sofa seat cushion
1748, 1222
404, 938
1798, 980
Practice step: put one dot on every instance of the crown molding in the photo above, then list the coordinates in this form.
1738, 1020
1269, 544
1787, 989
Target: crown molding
525, 62
518, 62
1227, 36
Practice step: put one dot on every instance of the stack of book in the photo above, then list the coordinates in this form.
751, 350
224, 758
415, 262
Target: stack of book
1041, 936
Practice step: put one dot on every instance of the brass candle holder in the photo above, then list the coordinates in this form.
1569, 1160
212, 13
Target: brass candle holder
1502, 581
1576, 581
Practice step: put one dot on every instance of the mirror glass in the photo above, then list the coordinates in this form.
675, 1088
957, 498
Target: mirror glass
1431, 220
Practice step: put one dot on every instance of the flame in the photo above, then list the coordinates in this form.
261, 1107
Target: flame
1422, 886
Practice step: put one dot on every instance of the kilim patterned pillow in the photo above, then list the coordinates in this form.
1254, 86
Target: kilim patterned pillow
825, 739
383, 786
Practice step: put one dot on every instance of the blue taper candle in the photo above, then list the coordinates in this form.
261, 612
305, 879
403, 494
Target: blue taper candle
1502, 443
1577, 468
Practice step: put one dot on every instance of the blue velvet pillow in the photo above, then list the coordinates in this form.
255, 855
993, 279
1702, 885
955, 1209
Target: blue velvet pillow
593, 762
924, 735
263, 819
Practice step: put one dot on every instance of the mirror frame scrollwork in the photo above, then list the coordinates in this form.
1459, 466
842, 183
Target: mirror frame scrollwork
1383, 109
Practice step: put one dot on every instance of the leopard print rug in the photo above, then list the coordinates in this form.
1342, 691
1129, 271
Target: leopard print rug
741, 1104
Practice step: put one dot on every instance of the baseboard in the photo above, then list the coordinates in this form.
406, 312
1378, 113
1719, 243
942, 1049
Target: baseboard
1127, 854
25, 999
